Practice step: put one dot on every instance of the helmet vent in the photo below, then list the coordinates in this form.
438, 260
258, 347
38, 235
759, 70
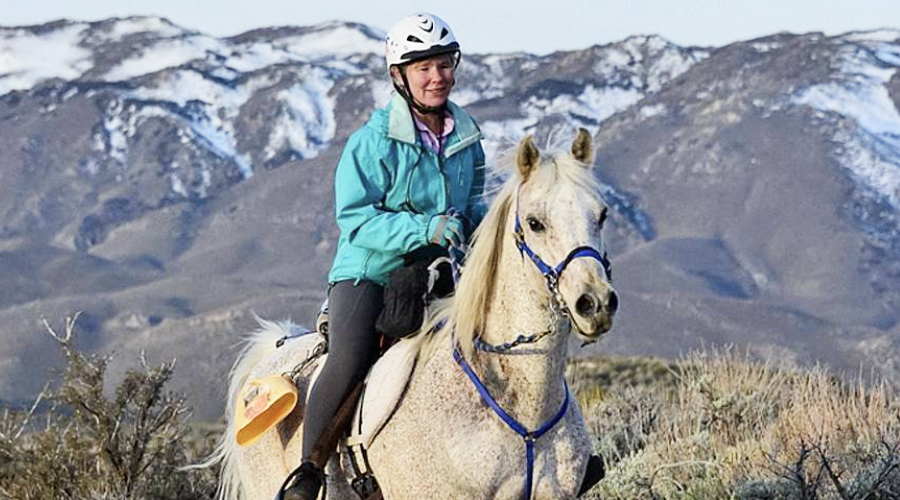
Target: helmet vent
414, 39
444, 32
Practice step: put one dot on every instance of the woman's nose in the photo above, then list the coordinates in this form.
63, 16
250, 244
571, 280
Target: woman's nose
438, 74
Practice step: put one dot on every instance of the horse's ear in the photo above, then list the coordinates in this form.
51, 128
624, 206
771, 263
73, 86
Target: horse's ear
529, 157
583, 147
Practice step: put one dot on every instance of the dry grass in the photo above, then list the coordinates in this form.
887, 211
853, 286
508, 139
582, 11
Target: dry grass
732, 428
712, 425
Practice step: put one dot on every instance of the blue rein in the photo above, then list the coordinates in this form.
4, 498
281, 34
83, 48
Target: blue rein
528, 436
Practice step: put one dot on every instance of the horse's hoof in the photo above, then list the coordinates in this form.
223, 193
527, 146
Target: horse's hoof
596, 470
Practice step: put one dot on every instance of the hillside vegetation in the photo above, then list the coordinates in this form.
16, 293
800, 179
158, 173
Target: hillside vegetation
717, 425
711, 425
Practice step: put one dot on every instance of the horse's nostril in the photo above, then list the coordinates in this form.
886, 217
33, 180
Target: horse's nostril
613, 302
586, 306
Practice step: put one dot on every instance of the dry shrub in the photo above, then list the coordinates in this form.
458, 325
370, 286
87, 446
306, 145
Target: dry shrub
734, 428
82, 444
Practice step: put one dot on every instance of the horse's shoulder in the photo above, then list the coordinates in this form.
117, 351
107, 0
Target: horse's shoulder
385, 385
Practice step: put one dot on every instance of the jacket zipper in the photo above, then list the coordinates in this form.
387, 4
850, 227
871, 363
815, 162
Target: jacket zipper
447, 201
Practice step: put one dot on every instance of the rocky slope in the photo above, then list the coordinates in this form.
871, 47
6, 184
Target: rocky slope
170, 185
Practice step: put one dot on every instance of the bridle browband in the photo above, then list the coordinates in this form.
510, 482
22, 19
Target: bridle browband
552, 275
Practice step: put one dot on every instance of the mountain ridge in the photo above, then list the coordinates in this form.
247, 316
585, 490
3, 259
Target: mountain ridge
170, 185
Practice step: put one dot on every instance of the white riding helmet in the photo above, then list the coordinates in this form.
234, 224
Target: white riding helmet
418, 37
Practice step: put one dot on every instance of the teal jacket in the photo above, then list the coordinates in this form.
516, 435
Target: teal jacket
388, 186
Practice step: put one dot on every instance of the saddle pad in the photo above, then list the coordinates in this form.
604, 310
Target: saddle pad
385, 384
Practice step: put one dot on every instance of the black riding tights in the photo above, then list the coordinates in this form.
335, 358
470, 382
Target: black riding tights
352, 348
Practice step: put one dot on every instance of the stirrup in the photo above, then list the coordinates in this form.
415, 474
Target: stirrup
306, 470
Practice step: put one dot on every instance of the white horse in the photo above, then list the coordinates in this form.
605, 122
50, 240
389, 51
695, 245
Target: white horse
486, 412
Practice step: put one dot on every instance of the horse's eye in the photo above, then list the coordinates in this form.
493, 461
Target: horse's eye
535, 225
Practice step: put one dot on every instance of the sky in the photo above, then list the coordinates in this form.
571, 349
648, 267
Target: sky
494, 26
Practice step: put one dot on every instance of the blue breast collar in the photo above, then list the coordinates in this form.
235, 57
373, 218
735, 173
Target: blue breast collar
528, 436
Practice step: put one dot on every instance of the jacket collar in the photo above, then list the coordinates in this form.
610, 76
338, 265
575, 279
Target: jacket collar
402, 128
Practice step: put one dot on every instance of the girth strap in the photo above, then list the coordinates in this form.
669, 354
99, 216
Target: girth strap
528, 436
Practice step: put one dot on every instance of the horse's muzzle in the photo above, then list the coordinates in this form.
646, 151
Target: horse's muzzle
593, 312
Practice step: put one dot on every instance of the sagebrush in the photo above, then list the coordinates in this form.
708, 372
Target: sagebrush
711, 425
721, 426
76, 442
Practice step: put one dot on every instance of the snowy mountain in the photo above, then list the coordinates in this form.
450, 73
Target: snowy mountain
170, 184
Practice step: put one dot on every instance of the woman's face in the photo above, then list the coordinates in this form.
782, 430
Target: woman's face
430, 80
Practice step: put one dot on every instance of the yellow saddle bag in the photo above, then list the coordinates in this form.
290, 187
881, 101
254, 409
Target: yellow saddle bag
261, 404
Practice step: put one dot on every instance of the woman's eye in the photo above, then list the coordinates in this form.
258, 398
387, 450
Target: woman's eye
535, 225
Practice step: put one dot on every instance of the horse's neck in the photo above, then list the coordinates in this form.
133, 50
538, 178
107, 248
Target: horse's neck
528, 382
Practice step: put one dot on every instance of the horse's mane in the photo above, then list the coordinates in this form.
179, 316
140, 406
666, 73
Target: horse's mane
462, 316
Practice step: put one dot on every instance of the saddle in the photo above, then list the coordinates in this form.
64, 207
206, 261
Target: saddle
427, 274
363, 414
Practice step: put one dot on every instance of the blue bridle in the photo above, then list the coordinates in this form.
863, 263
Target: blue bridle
553, 274
528, 436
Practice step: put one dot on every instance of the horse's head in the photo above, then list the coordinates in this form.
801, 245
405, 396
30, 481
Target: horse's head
558, 216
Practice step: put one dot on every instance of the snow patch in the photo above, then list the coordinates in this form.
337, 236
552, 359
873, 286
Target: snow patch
135, 25
500, 136
872, 155
595, 104
873, 162
872, 36
27, 59
306, 123
177, 185
169, 53
212, 120
337, 41
382, 93
664, 62
255, 56
116, 138
766, 46
668, 66
651, 111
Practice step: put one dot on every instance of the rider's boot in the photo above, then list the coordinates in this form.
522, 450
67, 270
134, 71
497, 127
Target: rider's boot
304, 483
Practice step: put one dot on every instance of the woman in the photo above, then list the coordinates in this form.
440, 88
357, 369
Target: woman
411, 177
